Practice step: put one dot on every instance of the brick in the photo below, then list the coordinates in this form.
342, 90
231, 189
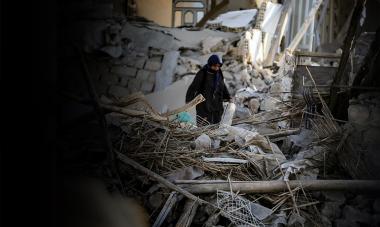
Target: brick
134, 85
118, 91
124, 81
152, 65
109, 79
143, 74
152, 77
140, 62
124, 71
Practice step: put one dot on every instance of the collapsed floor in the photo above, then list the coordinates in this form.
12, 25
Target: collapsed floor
261, 166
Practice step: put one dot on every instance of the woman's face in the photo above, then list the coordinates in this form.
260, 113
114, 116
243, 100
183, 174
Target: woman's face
215, 67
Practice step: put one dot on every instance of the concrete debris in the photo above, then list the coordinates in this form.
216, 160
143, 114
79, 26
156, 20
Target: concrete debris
186, 173
203, 142
263, 134
234, 19
212, 44
165, 76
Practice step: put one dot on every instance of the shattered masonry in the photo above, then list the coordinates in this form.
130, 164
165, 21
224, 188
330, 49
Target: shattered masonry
280, 133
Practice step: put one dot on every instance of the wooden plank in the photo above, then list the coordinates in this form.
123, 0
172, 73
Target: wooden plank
157, 177
316, 54
281, 186
188, 214
170, 202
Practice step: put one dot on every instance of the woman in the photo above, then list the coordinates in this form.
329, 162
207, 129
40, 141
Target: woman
209, 82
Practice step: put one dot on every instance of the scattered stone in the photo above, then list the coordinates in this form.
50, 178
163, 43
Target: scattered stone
203, 142
268, 104
242, 112
254, 105
210, 44
259, 84
227, 75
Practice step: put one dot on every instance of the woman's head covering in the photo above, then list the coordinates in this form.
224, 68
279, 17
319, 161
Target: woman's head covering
213, 60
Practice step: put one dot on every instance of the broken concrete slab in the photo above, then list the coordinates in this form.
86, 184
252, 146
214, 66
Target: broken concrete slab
171, 97
165, 76
234, 19
211, 44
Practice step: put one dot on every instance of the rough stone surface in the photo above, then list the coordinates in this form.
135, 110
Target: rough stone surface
124, 81
152, 65
352, 214
211, 44
268, 104
109, 79
152, 77
254, 105
118, 91
143, 74
180, 70
140, 62
134, 85
227, 75
124, 71
358, 114
259, 84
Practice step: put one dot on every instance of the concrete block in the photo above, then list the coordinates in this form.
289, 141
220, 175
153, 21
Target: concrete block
124, 71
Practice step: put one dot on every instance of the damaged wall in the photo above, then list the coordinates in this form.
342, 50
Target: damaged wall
159, 11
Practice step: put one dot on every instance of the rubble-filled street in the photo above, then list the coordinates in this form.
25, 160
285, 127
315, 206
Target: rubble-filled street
296, 145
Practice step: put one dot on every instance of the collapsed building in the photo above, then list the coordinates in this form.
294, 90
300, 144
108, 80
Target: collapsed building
297, 148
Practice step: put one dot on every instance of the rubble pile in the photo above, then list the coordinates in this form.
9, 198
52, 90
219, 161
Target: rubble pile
254, 168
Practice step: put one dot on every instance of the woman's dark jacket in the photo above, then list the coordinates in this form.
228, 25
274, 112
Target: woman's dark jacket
213, 89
